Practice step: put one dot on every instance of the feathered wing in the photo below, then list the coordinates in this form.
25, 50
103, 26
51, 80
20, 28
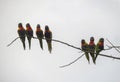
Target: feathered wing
50, 42
85, 49
92, 52
40, 37
29, 34
48, 36
93, 55
22, 37
99, 48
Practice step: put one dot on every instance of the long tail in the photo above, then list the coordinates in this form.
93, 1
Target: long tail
96, 55
49, 45
23, 42
24, 45
93, 57
87, 56
41, 43
29, 41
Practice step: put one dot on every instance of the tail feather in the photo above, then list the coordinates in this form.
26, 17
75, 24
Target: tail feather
93, 57
24, 45
41, 43
23, 42
29, 41
97, 53
49, 45
87, 56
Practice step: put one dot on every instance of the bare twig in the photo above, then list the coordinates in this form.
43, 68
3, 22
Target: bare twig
62, 43
12, 41
72, 61
110, 47
51, 39
113, 46
69, 46
83, 54
109, 56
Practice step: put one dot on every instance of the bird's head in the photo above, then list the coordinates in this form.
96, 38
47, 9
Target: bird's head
38, 25
92, 39
82, 41
101, 40
20, 25
46, 27
27, 25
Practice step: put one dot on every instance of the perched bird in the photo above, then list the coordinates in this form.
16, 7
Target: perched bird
40, 35
48, 37
99, 47
85, 47
92, 49
21, 33
29, 33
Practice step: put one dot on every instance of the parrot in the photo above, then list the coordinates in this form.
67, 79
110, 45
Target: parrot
85, 47
40, 35
21, 33
92, 48
48, 37
29, 33
99, 47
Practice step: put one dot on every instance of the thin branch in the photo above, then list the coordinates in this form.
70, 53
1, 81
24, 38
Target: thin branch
110, 47
12, 41
51, 39
83, 54
113, 46
109, 56
62, 43
72, 62
68, 45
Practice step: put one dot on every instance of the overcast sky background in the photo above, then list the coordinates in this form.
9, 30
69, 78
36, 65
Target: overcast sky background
70, 21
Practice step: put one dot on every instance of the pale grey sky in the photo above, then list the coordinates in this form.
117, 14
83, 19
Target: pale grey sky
70, 21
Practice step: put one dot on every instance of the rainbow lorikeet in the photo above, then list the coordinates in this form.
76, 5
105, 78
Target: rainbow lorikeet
29, 33
40, 35
48, 37
21, 33
99, 47
92, 48
85, 48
